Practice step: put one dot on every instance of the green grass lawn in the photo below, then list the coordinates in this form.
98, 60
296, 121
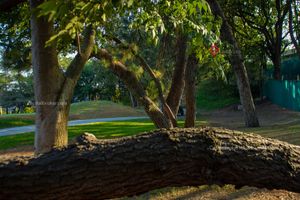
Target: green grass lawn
107, 130
81, 110
102, 109
102, 130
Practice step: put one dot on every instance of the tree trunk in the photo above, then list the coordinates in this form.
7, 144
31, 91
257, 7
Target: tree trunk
278, 48
102, 169
277, 64
177, 86
133, 84
133, 101
165, 107
51, 116
190, 91
291, 29
53, 88
239, 68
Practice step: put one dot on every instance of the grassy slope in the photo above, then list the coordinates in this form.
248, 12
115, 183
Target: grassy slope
212, 94
102, 109
81, 110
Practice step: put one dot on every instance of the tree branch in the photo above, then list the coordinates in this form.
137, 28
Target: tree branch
77, 64
156, 80
135, 87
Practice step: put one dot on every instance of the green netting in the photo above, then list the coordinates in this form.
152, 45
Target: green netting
290, 68
284, 93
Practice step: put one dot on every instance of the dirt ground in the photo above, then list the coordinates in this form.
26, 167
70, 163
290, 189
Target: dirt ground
227, 192
269, 115
15, 152
271, 118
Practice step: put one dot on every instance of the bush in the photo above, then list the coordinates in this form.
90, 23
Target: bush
29, 109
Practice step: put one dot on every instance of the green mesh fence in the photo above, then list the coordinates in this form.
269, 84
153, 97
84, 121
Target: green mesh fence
285, 93
290, 69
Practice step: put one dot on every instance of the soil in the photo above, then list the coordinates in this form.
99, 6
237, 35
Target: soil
227, 192
269, 115
15, 152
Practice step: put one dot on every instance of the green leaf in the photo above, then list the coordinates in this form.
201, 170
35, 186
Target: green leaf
103, 17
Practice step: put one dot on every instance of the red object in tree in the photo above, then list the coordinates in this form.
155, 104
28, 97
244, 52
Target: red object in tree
214, 50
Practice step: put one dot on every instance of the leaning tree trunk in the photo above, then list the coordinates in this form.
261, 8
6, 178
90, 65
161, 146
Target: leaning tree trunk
190, 91
177, 85
239, 68
51, 116
102, 169
133, 84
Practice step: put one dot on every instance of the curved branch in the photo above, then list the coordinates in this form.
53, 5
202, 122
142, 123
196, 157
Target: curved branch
156, 80
135, 87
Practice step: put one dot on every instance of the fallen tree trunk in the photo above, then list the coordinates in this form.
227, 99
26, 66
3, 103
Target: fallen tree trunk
100, 169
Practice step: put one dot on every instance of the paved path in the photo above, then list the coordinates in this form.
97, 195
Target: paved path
26, 129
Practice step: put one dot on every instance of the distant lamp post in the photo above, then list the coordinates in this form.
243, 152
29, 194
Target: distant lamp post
214, 50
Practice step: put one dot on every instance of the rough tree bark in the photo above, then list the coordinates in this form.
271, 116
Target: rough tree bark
51, 120
133, 84
239, 68
291, 28
53, 88
190, 91
101, 169
177, 85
